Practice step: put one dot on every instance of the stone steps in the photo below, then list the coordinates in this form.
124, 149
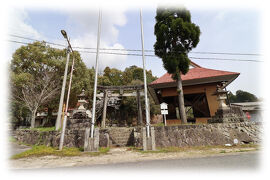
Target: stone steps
120, 136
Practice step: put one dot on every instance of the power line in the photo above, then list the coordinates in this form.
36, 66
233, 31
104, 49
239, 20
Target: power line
37, 40
138, 50
225, 59
227, 53
151, 55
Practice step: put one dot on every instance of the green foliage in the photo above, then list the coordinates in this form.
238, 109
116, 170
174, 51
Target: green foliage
242, 96
136, 73
37, 151
42, 129
159, 124
176, 35
114, 76
201, 149
31, 60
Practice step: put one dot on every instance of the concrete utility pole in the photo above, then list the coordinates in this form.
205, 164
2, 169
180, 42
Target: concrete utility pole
67, 101
59, 114
66, 109
96, 76
145, 84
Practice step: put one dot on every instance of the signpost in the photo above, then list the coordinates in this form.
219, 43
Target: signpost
164, 111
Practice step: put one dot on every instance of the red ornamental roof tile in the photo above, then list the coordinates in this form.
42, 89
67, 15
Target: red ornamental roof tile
194, 73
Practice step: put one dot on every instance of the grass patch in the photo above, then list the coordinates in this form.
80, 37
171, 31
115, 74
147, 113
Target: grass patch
38, 151
222, 151
198, 148
41, 129
158, 124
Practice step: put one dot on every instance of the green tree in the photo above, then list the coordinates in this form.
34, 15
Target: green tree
231, 98
36, 92
114, 75
31, 61
136, 73
132, 75
242, 96
176, 35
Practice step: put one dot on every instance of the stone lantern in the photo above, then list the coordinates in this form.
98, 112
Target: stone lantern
81, 112
80, 117
221, 98
82, 101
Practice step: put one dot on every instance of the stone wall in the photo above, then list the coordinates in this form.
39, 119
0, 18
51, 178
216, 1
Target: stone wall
75, 138
203, 134
179, 136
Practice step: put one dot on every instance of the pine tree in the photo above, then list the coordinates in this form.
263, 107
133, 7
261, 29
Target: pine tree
176, 35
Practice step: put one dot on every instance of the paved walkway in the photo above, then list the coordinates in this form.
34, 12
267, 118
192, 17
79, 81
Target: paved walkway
16, 148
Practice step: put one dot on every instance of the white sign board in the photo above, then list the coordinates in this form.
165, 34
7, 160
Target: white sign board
164, 111
163, 105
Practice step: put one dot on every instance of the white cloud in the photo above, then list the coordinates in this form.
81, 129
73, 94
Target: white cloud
86, 26
17, 26
83, 27
90, 40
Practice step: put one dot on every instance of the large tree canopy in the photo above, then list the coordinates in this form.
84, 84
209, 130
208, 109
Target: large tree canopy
176, 35
30, 63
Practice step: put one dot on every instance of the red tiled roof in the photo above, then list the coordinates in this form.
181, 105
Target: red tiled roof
194, 73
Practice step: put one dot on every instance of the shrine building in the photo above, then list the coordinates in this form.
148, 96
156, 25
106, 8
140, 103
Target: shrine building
199, 86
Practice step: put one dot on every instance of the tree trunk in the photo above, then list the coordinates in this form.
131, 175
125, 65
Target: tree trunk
139, 108
50, 110
33, 118
181, 103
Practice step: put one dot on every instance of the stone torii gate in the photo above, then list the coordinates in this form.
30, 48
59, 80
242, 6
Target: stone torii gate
107, 93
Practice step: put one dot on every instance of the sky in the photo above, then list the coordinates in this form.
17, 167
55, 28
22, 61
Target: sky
228, 30
240, 26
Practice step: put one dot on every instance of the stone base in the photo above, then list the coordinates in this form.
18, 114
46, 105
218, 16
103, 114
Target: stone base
91, 144
226, 116
149, 143
77, 124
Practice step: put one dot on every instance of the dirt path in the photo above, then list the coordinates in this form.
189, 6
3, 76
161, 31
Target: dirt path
116, 155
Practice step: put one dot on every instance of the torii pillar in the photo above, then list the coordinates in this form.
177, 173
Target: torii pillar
105, 102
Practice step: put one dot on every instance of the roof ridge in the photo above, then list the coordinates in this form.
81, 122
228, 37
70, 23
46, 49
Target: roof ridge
195, 73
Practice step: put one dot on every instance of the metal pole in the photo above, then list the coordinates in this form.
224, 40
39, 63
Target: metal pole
96, 76
65, 118
145, 85
165, 122
58, 120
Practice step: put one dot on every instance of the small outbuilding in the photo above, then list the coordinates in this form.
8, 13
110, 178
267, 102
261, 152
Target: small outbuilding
252, 110
199, 87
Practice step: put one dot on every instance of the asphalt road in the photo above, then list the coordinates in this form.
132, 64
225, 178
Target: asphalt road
235, 162
15, 148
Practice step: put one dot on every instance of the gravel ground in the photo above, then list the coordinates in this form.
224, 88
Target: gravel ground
115, 155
